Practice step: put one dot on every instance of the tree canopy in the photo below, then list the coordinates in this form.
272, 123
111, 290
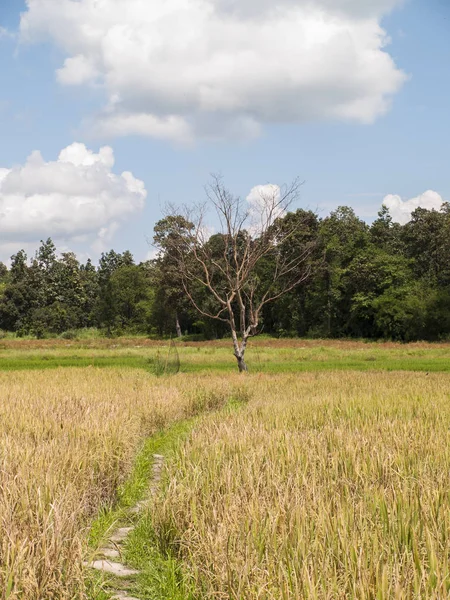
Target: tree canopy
382, 280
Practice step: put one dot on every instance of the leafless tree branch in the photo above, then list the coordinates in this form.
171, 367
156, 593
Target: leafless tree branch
252, 233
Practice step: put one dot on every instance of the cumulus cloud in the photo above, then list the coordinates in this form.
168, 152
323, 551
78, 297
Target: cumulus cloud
184, 69
264, 207
400, 210
75, 198
361, 8
264, 198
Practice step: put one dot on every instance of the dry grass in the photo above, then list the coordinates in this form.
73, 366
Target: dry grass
19, 344
326, 486
67, 440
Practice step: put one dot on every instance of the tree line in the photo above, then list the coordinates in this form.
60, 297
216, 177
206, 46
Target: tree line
377, 281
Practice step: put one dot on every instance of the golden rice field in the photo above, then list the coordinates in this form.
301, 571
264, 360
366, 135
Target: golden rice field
321, 485
67, 440
325, 486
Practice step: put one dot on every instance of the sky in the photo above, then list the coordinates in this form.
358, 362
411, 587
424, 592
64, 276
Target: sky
110, 109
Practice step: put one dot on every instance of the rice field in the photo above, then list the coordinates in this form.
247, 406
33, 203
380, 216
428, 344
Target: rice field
67, 442
313, 484
325, 486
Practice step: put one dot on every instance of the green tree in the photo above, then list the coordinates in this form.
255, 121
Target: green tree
130, 287
385, 234
115, 305
171, 302
426, 240
343, 236
401, 313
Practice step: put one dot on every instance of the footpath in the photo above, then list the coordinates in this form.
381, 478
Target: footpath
108, 559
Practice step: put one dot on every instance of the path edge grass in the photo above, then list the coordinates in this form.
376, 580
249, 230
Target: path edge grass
163, 571
129, 494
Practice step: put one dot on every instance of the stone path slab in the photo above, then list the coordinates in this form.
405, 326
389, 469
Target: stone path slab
109, 552
121, 534
113, 568
123, 596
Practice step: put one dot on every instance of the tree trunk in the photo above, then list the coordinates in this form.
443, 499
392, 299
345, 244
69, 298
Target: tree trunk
239, 350
177, 324
242, 366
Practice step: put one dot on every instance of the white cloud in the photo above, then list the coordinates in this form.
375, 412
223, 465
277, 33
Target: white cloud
400, 210
172, 127
152, 254
183, 69
262, 195
361, 8
77, 197
77, 70
264, 207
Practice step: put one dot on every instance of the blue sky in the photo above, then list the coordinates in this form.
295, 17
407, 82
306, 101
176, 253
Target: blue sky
343, 161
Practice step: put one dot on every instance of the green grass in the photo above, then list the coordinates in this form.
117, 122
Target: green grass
137, 484
27, 363
162, 576
210, 358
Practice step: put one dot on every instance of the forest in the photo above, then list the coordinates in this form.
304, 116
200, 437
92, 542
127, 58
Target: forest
377, 281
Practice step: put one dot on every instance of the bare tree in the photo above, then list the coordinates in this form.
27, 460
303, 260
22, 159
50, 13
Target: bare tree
247, 264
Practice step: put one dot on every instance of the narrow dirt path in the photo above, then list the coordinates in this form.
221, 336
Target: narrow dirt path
110, 555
